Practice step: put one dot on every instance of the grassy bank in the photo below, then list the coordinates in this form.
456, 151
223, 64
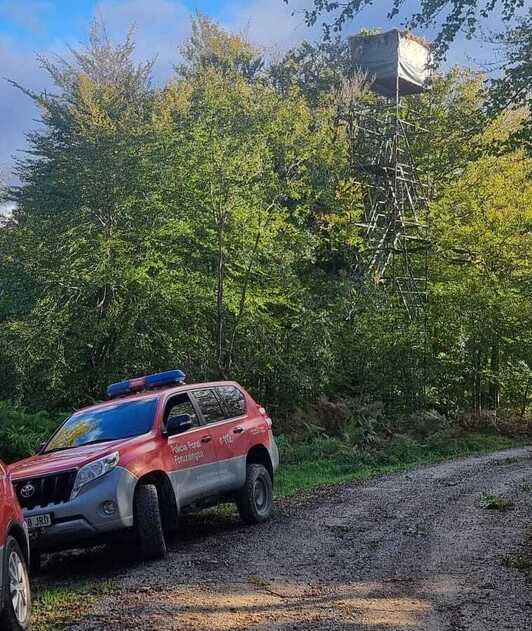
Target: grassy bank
307, 466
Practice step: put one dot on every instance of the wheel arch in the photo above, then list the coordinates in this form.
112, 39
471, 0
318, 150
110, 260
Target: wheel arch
16, 531
166, 494
258, 454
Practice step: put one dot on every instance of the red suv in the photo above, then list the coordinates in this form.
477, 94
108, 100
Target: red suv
15, 599
157, 449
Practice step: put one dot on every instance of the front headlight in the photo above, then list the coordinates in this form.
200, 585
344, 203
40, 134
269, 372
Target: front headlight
94, 470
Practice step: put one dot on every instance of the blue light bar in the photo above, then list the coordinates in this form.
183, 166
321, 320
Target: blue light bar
145, 383
164, 378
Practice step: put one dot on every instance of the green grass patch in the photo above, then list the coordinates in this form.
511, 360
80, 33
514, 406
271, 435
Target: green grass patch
317, 469
60, 606
494, 502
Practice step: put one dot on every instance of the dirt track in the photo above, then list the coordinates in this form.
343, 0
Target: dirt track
412, 551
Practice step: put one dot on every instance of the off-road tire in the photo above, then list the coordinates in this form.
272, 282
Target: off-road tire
148, 522
255, 499
8, 618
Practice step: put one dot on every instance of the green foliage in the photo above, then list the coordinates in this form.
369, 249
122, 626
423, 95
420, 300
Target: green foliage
181, 230
453, 119
22, 432
316, 69
481, 308
362, 439
512, 90
212, 224
210, 47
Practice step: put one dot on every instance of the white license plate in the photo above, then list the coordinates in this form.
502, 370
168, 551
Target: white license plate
39, 521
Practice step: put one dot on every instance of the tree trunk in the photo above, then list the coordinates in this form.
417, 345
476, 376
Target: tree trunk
494, 393
524, 404
220, 278
477, 384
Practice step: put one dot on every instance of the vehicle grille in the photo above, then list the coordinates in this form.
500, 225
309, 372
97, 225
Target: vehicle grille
50, 489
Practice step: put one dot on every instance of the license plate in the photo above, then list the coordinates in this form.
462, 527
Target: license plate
39, 521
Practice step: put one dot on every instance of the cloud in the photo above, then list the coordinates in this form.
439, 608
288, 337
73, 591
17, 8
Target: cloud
17, 111
161, 28
273, 26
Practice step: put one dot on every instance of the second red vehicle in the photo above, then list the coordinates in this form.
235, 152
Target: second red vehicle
157, 449
15, 597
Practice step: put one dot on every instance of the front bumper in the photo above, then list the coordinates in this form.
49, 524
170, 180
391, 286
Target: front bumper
83, 518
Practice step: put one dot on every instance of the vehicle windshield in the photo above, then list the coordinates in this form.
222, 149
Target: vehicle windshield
123, 419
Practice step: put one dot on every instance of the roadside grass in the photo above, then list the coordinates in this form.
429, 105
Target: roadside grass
60, 606
310, 467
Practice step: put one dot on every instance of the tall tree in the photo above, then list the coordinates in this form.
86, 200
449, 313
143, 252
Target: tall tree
481, 227
77, 242
172, 227
262, 164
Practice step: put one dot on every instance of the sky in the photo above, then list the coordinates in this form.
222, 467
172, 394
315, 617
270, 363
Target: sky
49, 27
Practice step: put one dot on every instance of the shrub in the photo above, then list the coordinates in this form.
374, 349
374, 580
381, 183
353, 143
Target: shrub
335, 417
294, 450
21, 431
503, 422
404, 449
423, 423
323, 415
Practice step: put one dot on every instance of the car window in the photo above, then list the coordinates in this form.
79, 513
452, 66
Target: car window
209, 405
234, 400
181, 404
118, 420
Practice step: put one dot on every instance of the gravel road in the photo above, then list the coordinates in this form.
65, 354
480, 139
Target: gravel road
413, 551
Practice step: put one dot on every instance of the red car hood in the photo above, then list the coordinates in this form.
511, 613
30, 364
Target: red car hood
59, 460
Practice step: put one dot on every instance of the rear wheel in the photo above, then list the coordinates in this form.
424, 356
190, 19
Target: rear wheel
255, 499
148, 522
16, 585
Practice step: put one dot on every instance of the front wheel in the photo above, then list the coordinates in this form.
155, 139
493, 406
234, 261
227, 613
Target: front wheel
255, 500
148, 522
16, 586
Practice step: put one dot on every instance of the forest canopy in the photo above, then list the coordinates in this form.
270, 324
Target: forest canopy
211, 225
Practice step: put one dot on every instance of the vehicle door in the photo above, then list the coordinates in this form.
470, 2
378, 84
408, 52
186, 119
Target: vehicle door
232, 436
190, 457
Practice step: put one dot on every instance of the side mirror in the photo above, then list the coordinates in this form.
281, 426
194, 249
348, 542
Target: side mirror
178, 424
41, 447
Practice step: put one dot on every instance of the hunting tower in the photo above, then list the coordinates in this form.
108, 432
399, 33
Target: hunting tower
394, 226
